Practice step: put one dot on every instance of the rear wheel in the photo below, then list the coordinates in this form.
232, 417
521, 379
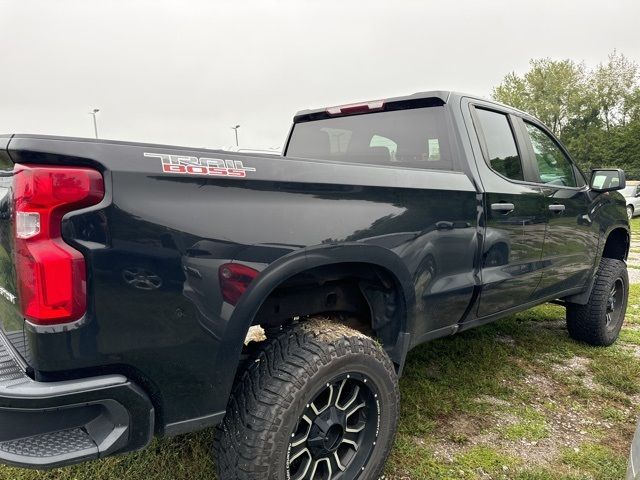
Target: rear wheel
319, 402
600, 320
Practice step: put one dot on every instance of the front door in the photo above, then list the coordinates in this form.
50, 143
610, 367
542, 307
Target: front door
571, 240
514, 212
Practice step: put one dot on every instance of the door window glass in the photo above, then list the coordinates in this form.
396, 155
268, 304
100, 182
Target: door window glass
502, 152
553, 165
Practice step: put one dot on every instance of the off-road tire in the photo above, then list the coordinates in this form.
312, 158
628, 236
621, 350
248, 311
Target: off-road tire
588, 323
267, 401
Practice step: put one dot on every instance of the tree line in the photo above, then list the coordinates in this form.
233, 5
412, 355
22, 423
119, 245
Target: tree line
595, 112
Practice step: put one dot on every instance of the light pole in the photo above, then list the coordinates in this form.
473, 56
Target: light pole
95, 122
236, 130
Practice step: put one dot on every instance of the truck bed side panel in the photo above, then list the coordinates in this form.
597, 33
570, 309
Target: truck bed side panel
153, 250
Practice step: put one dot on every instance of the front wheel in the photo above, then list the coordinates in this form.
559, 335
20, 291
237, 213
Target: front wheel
600, 320
319, 402
629, 211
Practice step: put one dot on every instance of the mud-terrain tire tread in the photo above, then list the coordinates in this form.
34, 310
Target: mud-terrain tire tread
587, 323
244, 444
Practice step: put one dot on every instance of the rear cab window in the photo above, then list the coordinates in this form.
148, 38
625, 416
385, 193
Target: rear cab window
414, 137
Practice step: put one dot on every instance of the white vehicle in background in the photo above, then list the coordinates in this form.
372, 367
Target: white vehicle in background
631, 195
633, 467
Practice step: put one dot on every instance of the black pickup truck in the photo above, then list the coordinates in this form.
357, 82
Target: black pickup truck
156, 290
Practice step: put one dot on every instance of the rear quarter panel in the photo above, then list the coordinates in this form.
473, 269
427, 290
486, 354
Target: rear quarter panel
178, 336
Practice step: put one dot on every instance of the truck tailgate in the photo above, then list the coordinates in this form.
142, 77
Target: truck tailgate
11, 320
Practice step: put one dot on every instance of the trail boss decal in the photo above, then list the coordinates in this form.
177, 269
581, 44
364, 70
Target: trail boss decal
201, 166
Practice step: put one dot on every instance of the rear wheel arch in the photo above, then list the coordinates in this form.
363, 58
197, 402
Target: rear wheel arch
299, 262
365, 295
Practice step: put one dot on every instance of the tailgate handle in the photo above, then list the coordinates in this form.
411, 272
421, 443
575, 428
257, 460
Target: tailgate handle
503, 207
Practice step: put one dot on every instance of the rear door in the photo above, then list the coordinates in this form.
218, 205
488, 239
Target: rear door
571, 239
515, 215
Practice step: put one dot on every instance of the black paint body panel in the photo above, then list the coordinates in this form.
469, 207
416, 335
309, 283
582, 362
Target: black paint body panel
181, 341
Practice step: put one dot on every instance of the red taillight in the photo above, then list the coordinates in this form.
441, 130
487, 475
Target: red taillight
51, 274
355, 108
234, 280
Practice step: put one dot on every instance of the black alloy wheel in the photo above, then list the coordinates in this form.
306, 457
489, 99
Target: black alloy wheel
336, 431
318, 401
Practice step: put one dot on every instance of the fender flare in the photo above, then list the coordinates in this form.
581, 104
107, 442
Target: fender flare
583, 297
297, 262
623, 226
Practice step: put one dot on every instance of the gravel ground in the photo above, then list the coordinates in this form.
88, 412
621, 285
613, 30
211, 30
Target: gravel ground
634, 260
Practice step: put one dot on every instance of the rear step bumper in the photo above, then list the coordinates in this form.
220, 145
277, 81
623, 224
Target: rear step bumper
51, 424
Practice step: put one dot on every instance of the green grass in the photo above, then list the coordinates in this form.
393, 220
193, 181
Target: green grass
617, 369
596, 460
486, 459
445, 380
630, 336
531, 426
477, 405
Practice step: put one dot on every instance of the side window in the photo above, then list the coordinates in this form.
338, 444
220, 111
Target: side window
502, 152
553, 165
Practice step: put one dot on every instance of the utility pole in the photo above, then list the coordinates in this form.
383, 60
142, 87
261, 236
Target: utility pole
236, 130
95, 122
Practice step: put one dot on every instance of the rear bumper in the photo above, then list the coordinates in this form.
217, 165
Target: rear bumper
51, 424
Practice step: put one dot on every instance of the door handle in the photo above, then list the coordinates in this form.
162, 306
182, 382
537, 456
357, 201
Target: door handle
503, 207
556, 207
444, 225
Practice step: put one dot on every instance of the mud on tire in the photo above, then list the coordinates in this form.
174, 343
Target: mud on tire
319, 388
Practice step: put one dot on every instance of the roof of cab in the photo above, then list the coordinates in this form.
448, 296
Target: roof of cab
444, 96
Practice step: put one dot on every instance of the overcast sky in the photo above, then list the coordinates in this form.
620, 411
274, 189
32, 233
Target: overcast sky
184, 72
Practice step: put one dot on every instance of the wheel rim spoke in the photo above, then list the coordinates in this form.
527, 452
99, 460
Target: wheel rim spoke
353, 398
300, 451
303, 438
317, 463
356, 429
303, 473
336, 431
342, 384
615, 304
355, 409
338, 462
350, 442
315, 409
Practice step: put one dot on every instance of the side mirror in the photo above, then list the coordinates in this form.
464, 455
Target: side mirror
607, 179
